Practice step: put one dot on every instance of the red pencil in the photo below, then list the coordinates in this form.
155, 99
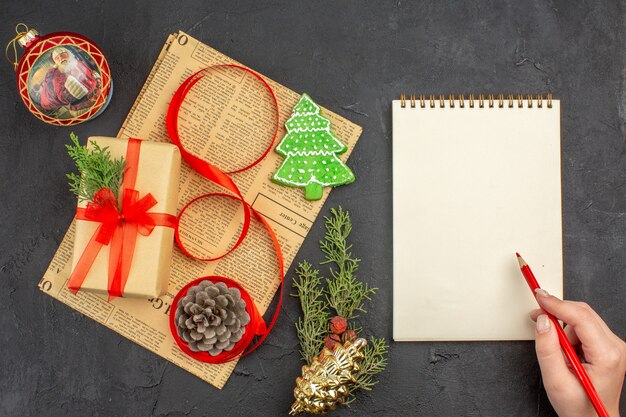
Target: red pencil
567, 347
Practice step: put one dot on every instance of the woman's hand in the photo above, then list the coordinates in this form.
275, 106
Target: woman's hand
602, 353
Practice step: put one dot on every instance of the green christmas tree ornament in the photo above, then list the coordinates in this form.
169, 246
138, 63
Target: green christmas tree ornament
310, 149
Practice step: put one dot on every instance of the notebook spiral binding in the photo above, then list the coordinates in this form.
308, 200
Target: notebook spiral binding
489, 100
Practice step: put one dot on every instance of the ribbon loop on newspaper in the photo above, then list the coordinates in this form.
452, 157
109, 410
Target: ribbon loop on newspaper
221, 178
118, 227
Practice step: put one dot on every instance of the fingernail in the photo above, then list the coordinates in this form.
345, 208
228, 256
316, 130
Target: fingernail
543, 324
542, 292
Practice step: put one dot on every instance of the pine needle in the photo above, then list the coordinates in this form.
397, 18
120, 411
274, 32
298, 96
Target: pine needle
313, 325
346, 294
375, 362
97, 170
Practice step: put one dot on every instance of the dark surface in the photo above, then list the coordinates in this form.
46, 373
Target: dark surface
353, 58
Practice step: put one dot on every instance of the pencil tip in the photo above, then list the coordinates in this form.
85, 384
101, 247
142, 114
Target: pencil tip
520, 260
518, 255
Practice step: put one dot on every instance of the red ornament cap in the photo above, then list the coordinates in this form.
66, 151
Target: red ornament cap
27, 38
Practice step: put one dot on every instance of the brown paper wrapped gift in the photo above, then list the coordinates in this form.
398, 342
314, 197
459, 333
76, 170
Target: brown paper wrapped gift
158, 174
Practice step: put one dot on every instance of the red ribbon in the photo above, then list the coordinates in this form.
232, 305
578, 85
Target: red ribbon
118, 228
212, 173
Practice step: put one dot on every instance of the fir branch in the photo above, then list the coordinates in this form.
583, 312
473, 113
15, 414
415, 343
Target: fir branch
345, 294
374, 362
313, 325
97, 170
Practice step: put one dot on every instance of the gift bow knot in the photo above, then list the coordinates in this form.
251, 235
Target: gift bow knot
104, 210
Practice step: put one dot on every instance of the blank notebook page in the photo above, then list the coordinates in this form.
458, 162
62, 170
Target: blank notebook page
472, 186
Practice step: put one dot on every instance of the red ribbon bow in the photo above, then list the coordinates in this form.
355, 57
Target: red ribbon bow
104, 210
118, 228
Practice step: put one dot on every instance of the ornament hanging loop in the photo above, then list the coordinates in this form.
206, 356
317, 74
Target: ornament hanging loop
12, 43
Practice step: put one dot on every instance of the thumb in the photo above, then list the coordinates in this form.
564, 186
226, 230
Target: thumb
551, 360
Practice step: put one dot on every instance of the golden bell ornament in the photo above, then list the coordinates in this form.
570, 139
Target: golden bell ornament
325, 383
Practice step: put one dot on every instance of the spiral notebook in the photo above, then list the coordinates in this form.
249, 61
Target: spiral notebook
475, 179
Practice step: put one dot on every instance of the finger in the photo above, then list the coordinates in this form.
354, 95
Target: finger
581, 319
596, 315
551, 360
535, 313
571, 335
582, 306
600, 321
569, 330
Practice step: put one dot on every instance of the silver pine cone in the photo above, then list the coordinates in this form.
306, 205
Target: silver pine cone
211, 317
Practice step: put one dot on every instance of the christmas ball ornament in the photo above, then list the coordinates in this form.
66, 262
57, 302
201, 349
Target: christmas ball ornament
63, 78
326, 382
211, 317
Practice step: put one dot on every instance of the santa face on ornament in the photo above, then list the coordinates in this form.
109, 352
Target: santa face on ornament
64, 82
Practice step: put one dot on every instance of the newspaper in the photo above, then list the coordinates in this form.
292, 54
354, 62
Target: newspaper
227, 119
